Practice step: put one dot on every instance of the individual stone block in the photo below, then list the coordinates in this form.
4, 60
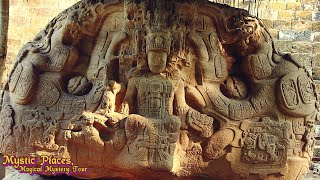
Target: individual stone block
295, 35
309, 6
303, 15
315, 36
302, 47
282, 24
315, 16
283, 46
286, 14
277, 5
274, 33
316, 26
267, 22
316, 47
302, 25
268, 14
294, 6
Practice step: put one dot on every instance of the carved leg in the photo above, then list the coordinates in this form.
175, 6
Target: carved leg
134, 125
137, 132
217, 143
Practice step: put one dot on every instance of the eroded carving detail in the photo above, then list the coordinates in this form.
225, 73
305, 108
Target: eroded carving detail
160, 88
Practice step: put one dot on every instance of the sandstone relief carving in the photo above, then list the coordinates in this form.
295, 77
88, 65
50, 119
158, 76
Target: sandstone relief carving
160, 88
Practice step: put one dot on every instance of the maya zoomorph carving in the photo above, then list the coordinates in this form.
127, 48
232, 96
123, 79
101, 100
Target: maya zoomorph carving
160, 88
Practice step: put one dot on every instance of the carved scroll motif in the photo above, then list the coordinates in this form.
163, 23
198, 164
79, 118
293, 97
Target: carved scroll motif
47, 93
305, 88
58, 58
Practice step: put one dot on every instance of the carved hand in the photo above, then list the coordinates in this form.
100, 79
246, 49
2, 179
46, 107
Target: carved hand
125, 108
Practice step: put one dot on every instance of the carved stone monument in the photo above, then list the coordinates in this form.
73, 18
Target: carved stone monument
160, 88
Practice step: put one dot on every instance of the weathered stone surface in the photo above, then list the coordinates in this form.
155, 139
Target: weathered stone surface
316, 48
303, 15
315, 16
316, 74
295, 35
283, 46
277, 5
285, 14
282, 24
268, 14
294, 5
315, 36
316, 26
161, 89
4, 20
304, 58
310, 6
317, 84
274, 33
301, 47
301, 25
268, 23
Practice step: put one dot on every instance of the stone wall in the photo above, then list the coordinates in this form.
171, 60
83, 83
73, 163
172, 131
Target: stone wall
294, 24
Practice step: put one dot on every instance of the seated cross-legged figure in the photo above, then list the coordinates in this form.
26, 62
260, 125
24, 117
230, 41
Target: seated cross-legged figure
151, 128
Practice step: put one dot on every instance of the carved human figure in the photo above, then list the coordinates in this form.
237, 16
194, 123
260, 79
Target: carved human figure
110, 95
151, 127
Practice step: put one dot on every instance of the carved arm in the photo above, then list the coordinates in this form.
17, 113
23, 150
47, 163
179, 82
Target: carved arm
127, 105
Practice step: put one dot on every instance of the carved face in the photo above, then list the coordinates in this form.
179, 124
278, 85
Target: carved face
157, 61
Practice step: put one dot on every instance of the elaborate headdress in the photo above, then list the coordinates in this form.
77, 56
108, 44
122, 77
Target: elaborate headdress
158, 17
158, 41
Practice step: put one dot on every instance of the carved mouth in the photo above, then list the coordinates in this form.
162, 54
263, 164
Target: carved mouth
106, 132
